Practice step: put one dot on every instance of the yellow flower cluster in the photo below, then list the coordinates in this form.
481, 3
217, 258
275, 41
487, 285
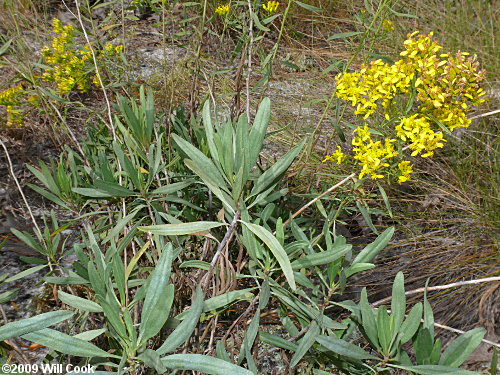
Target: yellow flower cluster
271, 6
444, 87
69, 64
371, 155
338, 156
222, 10
405, 170
374, 85
417, 129
11, 98
387, 25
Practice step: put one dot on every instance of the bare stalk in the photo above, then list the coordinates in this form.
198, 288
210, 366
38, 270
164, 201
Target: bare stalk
439, 287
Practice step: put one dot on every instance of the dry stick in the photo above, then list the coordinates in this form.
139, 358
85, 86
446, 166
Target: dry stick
319, 197
485, 114
459, 331
221, 246
11, 168
439, 287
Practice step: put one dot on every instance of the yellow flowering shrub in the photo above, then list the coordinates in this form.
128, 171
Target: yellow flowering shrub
11, 99
439, 90
70, 65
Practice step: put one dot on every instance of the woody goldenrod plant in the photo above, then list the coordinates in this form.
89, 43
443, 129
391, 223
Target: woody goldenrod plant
12, 99
70, 65
438, 90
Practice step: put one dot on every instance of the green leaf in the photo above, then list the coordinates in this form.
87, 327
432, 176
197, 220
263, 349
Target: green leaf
90, 335
8, 295
186, 328
95, 193
384, 329
203, 363
402, 14
35, 323
344, 35
343, 348
398, 302
258, 132
66, 344
78, 302
273, 174
368, 320
159, 297
411, 323
258, 24
24, 273
369, 252
462, 347
308, 7
205, 175
221, 351
277, 250
201, 162
202, 265
386, 199
172, 188
435, 370
305, 343
358, 267
318, 259
50, 196
5, 48
277, 341
181, 229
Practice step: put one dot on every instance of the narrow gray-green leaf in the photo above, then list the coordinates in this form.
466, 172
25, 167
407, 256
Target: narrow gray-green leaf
203, 363
410, 325
369, 252
277, 250
172, 188
25, 273
78, 302
270, 176
318, 259
159, 296
186, 328
305, 343
181, 229
66, 344
343, 348
462, 347
35, 323
398, 303
90, 335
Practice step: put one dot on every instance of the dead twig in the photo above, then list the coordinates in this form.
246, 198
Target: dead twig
439, 287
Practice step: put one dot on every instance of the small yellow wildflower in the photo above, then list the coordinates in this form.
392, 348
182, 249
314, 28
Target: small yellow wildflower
222, 10
271, 6
338, 156
405, 169
387, 25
